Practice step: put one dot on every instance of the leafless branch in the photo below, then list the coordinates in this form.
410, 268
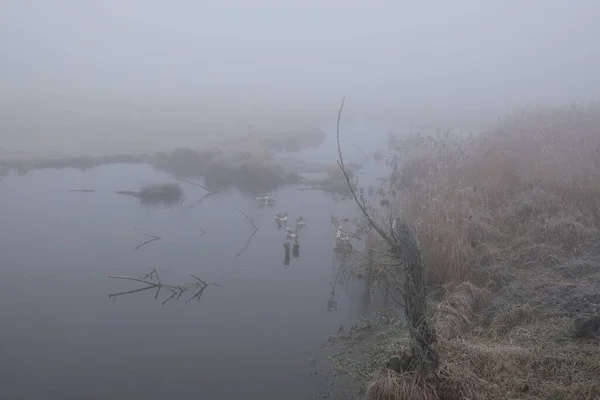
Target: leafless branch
146, 242
176, 290
248, 218
251, 236
147, 234
169, 298
360, 204
153, 238
198, 279
197, 184
131, 291
246, 245
205, 196
133, 279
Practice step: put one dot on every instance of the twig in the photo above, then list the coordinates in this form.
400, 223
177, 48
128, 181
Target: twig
169, 298
176, 290
197, 184
247, 243
147, 234
248, 218
131, 291
133, 279
198, 279
201, 281
205, 196
197, 295
150, 274
152, 238
146, 242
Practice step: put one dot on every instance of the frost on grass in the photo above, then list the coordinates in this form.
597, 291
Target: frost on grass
508, 225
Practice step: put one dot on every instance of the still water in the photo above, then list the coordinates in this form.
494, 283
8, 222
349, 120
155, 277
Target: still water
62, 337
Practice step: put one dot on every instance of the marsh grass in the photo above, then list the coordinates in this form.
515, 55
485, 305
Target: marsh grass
508, 227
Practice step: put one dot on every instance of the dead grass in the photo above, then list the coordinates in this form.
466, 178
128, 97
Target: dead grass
508, 223
394, 386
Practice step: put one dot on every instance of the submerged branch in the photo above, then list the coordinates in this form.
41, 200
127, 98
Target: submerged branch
153, 238
197, 184
147, 234
133, 279
146, 242
131, 291
205, 196
246, 245
248, 218
176, 290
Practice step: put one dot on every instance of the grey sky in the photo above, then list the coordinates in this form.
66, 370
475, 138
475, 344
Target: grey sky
248, 60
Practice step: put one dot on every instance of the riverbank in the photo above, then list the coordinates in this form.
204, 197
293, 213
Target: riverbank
508, 224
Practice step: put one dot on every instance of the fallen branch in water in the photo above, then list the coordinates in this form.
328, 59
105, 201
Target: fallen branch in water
152, 280
153, 238
248, 218
197, 184
246, 245
147, 234
251, 236
205, 196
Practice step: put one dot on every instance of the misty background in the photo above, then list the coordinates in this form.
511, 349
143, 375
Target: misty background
130, 75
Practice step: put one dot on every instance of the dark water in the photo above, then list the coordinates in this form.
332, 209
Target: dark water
62, 337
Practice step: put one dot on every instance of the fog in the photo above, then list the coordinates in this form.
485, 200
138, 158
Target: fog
144, 69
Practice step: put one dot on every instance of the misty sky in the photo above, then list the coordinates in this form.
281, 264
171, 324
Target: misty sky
243, 59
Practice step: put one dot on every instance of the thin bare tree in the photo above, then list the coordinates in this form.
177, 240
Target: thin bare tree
404, 248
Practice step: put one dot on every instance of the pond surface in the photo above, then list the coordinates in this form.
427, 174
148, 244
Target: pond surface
63, 337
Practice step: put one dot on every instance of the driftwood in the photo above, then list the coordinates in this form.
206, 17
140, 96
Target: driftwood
402, 242
152, 280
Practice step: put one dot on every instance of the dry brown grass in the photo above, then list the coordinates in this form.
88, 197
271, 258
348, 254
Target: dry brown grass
456, 312
535, 165
508, 223
394, 386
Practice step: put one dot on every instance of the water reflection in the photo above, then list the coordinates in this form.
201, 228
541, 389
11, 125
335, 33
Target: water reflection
292, 247
286, 259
